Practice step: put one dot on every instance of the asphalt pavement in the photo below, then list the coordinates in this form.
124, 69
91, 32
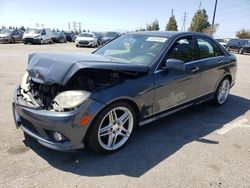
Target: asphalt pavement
202, 146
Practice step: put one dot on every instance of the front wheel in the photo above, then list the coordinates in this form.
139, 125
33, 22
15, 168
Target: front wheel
41, 41
222, 92
112, 128
12, 40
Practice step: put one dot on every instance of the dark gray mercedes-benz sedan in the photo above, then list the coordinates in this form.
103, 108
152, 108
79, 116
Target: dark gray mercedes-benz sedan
65, 101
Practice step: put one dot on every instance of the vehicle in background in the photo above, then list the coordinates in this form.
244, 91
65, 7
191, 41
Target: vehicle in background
59, 37
108, 36
87, 39
10, 35
223, 42
99, 38
70, 36
38, 36
239, 45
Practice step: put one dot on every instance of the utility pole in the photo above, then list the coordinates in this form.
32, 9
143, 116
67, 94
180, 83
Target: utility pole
184, 22
200, 5
69, 27
215, 7
74, 26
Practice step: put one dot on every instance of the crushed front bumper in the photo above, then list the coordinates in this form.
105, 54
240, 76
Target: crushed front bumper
40, 124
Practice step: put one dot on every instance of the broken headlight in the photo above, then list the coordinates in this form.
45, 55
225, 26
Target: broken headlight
71, 99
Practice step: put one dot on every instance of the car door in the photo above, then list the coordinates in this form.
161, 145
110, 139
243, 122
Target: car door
174, 87
212, 58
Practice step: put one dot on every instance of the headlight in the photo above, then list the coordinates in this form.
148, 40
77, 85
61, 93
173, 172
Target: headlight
71, 99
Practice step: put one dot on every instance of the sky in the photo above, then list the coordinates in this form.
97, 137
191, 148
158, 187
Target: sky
126, 15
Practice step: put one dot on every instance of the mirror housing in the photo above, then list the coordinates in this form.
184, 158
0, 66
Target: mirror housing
175, 64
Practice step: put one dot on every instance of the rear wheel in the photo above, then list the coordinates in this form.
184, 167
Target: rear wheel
112, 128
241, 51
222, 92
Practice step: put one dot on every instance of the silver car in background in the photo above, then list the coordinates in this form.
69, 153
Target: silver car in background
86, 39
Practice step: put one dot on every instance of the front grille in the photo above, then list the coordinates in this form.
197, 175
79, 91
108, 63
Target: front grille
83, 42
28, 125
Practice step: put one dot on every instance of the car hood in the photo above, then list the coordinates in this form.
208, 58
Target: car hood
31, 35
50, 68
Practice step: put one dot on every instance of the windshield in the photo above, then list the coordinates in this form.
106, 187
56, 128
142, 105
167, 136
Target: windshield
133, 48
86, 35
221, 40
5, 31
35, 31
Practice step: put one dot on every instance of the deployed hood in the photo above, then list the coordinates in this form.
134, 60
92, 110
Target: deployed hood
48, 68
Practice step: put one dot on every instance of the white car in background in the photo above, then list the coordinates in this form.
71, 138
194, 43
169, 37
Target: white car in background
223, 42
86, 39
38, 36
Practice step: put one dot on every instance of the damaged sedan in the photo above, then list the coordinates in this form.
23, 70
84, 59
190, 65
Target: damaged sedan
67, 101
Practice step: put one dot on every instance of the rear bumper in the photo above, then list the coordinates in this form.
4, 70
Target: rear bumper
40, 124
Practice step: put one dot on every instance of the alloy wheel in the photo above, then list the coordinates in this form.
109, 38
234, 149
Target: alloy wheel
115, 128
223, 91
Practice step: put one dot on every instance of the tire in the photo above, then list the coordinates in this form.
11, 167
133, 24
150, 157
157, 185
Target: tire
12, 40
77, 45
51, 41
41, 41
241, 51
105, 136
222, 92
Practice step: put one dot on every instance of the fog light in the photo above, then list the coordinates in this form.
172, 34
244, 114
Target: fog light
58, 136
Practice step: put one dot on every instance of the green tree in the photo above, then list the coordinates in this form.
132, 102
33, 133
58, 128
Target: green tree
199, 21
172, 24
243, 33
154, 26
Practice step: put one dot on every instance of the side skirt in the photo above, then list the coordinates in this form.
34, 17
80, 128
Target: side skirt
172, 110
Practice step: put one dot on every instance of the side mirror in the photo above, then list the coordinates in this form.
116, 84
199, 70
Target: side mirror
175, 64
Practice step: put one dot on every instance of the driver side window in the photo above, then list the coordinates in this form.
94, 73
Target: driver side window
183, 49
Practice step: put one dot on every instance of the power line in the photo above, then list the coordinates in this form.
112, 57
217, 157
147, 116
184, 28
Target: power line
184, 22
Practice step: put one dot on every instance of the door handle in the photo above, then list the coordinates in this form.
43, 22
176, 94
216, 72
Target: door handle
195, 69
220, 61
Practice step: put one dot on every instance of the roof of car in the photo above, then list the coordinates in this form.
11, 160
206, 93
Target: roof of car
166, 33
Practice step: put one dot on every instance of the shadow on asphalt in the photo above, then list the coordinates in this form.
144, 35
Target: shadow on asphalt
150, 144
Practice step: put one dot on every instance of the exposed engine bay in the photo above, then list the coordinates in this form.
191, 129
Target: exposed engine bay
43, 96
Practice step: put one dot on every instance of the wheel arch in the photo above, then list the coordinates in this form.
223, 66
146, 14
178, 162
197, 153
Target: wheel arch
228, 75
132, 103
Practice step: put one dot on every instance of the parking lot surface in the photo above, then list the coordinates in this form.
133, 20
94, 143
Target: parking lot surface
202, 146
